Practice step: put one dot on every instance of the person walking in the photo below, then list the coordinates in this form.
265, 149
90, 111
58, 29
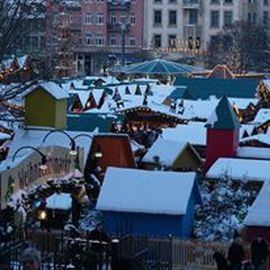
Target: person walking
221, 262
31, 259
236, 254
259, 252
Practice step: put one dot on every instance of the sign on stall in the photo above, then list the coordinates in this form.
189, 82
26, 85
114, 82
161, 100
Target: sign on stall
23, 173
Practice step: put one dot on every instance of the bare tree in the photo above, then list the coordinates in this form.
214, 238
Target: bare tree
242, 47
16, 17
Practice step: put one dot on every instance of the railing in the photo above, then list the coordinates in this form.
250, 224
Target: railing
191, 4
59, 250
119, 5
117, 27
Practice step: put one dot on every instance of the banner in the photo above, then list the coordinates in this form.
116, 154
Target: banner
27, 173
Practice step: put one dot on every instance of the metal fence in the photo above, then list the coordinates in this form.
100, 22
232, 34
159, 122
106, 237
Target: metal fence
59, 251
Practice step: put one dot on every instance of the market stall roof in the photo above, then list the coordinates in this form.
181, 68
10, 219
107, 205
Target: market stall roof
157, 66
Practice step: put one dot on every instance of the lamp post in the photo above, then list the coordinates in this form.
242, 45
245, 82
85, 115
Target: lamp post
72, 151
43, 165
98, 153
123, 29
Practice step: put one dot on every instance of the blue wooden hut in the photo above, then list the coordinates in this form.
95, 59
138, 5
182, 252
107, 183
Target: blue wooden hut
151, 203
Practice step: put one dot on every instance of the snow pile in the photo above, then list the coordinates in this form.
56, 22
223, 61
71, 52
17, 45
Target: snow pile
224, 208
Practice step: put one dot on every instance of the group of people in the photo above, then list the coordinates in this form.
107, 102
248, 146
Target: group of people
30, 260
236, 259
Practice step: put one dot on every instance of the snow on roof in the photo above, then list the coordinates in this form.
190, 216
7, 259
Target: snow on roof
193, 132
267, 83
53, 89
262, 116
4, 136
139, 191
34, 137
253, 152
263, 138
259, 212
240, 169
60, 201
166, 150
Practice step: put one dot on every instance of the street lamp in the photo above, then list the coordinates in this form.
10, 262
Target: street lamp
123, 29
43, 165
98, 153
72, 151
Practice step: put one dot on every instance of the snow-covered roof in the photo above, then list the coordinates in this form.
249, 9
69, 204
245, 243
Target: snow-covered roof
240, 169
267, 83
263, 138
166, 150
34, 137
262, 116
259, 212
60, 201
193, 132
53, 89
4, 136
253, 152
139, 191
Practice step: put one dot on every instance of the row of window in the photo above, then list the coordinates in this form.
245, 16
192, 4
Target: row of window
111, 1
193, 18
215, 18
193, 1
172, 17
99, 19
99, 40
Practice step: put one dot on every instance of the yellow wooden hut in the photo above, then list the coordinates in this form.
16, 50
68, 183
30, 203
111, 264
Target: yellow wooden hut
46, 105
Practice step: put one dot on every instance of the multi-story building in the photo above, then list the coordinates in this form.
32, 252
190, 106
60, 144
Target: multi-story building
108, 28
191, 23
105, 32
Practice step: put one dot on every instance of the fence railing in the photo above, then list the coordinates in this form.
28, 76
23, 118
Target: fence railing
58, 250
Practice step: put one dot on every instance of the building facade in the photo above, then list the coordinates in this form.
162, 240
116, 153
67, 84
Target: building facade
189, 25
109, 32
108, 28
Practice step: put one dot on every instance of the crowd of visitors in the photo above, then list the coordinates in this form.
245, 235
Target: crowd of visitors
237, 257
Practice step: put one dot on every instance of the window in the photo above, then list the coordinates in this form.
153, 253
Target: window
249, 18
228, 18
193, 16
99, 39
228, 1
88, 39
132, 41
265, 17
172, 18
172, 1
157, 41
157, 1
214, 20
265, 2
215, 1
123, 18
132, 19
112, 19
158, 17
88, 18
254, 18
100, 18
113, 41
172, 41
